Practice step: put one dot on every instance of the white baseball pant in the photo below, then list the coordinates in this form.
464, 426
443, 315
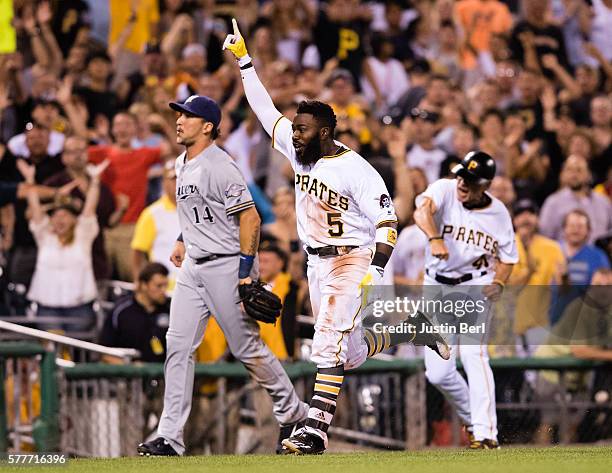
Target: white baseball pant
336, 303
474, 401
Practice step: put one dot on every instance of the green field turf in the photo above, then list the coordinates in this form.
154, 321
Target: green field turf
528, 460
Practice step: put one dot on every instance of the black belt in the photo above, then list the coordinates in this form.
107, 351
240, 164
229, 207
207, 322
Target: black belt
330, 250
454, 281
206, 259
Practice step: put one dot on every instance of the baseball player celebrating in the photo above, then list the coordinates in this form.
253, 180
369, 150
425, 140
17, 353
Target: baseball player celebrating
471, 242
215, 253
342, 208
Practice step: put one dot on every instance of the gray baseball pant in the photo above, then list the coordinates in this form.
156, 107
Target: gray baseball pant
212, 287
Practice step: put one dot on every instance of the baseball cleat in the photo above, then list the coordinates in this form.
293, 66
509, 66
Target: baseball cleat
486, 444
433, 340
156, 448
304, 443
285, 432
469, 430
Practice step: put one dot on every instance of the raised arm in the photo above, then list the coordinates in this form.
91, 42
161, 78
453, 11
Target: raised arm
93, 193
28, 171
258, 97
44, 16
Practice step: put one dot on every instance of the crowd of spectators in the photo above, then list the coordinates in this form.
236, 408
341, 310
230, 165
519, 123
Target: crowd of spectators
87, 182
415, 85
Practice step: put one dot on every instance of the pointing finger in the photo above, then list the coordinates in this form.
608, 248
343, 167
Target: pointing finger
235, 26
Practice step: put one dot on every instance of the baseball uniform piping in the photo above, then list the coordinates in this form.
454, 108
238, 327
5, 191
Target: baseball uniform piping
274, 128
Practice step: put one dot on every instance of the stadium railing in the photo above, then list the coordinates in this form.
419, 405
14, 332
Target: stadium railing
30, 385
95, 409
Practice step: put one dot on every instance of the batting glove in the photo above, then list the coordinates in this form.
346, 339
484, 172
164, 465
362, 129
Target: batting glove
374, 277
235, 43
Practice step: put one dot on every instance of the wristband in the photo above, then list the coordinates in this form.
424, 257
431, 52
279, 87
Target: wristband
499, 282
435, 238
244, 60
380, 259
386, 235
294, 246
246, 264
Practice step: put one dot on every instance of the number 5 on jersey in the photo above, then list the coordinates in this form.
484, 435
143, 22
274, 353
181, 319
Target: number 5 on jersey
336, 225
207, 215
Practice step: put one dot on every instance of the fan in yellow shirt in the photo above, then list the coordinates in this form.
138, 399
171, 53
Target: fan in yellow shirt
157, 228
143, 15
541, 263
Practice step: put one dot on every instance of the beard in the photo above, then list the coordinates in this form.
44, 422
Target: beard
310, 153
185, 141
576, 186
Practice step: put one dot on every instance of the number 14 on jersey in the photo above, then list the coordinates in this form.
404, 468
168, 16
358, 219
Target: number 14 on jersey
206, 215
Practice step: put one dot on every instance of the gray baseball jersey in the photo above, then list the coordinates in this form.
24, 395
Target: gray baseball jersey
210, 191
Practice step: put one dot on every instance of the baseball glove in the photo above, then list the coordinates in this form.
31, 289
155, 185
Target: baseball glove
260, 303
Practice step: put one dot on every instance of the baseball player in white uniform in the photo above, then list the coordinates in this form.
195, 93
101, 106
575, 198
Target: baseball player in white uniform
471, 243
343, 208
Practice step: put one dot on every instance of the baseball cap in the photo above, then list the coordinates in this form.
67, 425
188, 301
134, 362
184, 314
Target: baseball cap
476, 167
34, 125
525, 205
199, 106
41, 101
340, 74
426, 115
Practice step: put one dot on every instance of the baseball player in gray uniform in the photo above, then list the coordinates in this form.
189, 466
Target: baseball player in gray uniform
215, 253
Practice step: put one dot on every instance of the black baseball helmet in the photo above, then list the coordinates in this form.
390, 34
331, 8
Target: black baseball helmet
476, 167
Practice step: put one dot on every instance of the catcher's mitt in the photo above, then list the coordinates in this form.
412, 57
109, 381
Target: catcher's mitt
260, 303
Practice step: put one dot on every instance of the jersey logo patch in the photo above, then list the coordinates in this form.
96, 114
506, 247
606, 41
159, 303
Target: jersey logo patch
385, 201
234, 190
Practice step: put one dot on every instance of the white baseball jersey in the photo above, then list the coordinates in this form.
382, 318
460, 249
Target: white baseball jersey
340, 199
474, 238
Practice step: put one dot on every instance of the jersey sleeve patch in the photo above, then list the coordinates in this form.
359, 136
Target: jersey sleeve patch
384, 201
234, 190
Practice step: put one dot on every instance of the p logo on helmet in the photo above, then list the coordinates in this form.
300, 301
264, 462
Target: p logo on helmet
472, 165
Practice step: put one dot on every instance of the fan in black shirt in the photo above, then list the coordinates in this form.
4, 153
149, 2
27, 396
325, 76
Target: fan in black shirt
141, 320
340, 32
547, 38
98, 97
